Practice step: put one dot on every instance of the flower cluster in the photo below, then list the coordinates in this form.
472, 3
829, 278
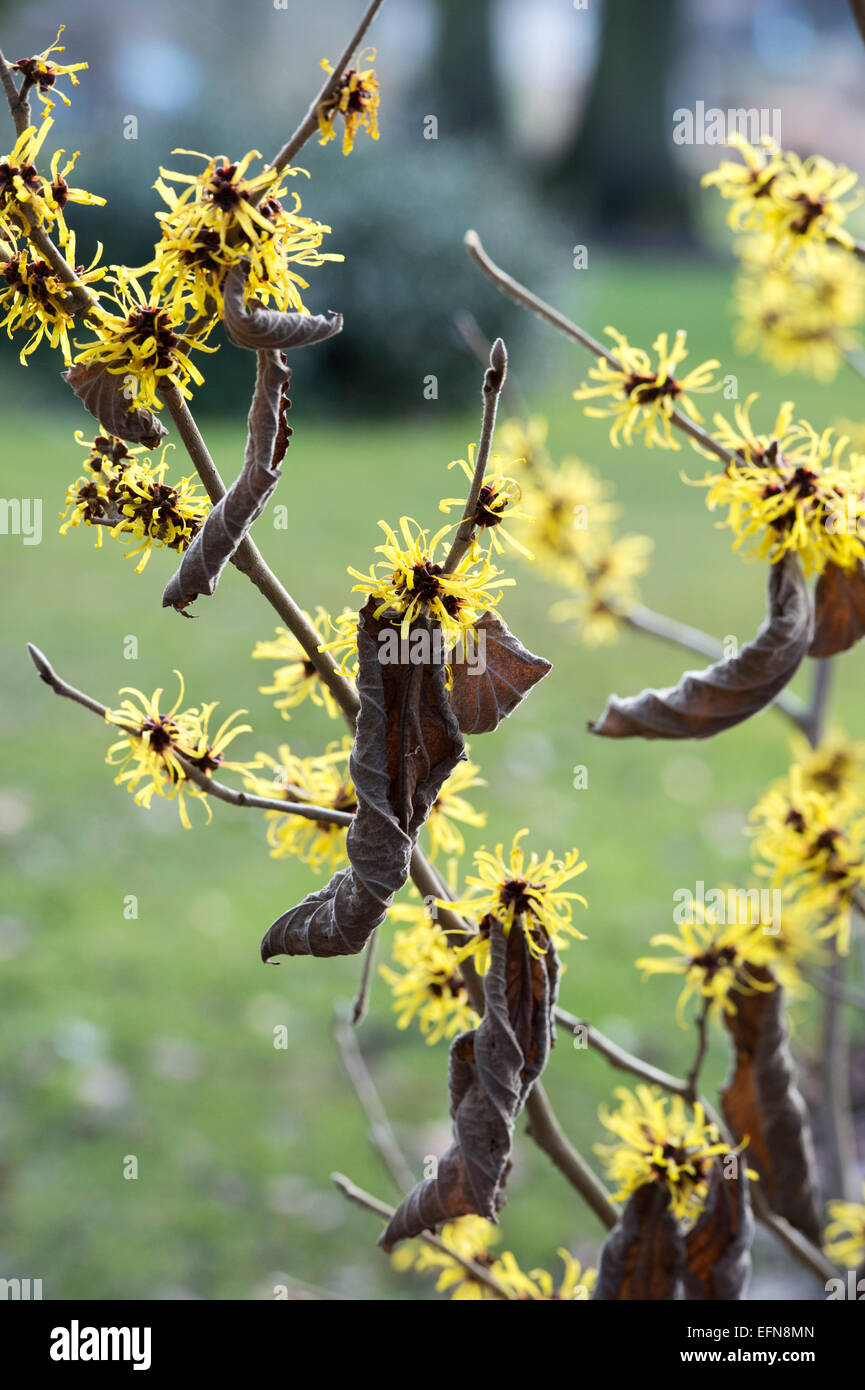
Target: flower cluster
660, 1142
573, 535
529, 892
156, 743
123, 493
472, 1238
26, 197
427, 985
296, 679
716, 958
40, 71
322, 780
800, 292
410, 582
640, 396
36, 299
795, 491
224, 216
810, 844
499, 495
356, 99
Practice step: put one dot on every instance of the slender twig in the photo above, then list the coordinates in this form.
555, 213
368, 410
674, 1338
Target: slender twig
548, 1134
617, 1056
494, 380
816, 718
306, 810
381, 1133
309, 124
514, 290
360, 1003
19, 106
369, 1203
827, 984
693, 1078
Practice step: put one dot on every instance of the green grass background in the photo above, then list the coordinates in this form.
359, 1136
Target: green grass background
153, 1037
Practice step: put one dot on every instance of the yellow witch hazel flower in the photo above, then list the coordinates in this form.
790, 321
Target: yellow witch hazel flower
608, 590
25, 196
844, 1238
800, 204
539, 1286
296, 678
356, 99
640, 397
451, 809
801, 316
143, 343
802, 493
469, 1236
154, 741
36, 300
412, 583
812, 848
528, 892
715, 958
225, 215
322, 780
659, 1142
835, 768
498, 495
42, 72
427, 985
123, 493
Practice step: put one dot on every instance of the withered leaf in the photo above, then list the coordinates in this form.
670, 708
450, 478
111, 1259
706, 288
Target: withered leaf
839, 601
707, 702
718, 1246
101, 392
228, 522
407, 744
643, 1257
491, 675
491, 1072
761, 1102
255, 326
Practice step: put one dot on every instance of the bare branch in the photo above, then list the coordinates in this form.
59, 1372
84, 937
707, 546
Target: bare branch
494, 380
380, 1132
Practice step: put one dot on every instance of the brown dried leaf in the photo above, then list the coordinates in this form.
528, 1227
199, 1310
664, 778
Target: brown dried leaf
484, 692
231, 518
101, 392
707, 702
492, 1070
643, 1257
840, 610
761, 1102
406, 746
718, 1246
254, 326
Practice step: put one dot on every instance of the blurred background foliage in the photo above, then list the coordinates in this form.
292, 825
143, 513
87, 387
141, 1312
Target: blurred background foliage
153, 1036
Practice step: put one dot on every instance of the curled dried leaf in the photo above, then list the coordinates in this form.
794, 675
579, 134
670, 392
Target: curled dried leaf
101, 392
643, 1257
762, 1103
491, 1072
255, 326
406, 746
498, 677
233, 515
705, 703
718, 1246
839, 601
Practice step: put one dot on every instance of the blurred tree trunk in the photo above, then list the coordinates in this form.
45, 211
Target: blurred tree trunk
462, 77
618, 165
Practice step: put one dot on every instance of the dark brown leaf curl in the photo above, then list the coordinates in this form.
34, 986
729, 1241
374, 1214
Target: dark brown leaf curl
761, 1102
707, 702
643, 1257
406, 745
840, 610
254, 326
491, 1071
233, 515
101, 392
718, 1246
500, 675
